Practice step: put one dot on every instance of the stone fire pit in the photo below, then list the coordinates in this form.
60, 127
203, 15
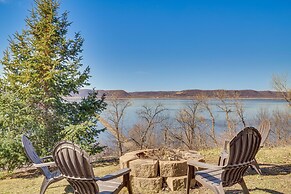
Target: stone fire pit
153, 170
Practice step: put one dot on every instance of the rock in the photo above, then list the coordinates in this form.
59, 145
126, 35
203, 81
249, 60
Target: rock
130, 156
178, 183
125, 159
173, 168
146, 168
147, 185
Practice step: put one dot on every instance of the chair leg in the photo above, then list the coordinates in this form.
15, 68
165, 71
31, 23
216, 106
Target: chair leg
244, 186
44, 185
190, 176
126, 180
255, 165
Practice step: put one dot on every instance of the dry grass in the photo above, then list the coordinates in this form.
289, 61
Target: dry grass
275, 163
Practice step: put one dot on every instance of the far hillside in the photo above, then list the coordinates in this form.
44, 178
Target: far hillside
184, 94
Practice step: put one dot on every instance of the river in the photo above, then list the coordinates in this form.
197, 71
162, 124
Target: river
251, 107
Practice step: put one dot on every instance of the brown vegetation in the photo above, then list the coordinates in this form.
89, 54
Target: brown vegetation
280, 83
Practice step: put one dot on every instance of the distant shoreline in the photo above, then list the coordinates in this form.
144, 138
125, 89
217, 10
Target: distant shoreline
110, 98
184, 94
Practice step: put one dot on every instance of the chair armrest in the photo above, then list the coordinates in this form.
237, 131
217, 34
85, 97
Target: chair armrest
225, 147
223, 158
223, 154
113, 175
44, 164
46, 157
203, 165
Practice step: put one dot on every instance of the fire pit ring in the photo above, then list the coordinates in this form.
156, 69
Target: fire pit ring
154, 170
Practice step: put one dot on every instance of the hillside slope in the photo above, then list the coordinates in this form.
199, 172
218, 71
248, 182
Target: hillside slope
184, 94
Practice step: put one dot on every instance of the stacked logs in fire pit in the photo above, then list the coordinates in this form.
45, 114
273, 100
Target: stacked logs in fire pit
154, 170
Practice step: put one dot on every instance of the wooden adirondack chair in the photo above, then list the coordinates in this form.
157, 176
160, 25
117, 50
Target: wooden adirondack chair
264, 130
74, 163
242, 150
49, 176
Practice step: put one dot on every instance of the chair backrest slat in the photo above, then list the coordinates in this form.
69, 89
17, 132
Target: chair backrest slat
242, 151
74, 163
264, 130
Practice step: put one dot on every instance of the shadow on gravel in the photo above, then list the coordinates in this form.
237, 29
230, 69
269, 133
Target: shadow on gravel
272, 169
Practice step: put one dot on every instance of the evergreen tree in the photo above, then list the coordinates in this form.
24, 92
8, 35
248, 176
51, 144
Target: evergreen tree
41, 66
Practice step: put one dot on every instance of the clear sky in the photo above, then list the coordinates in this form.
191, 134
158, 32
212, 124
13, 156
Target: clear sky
142, 45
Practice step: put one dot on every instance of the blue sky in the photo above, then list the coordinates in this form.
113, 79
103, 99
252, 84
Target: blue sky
141, 45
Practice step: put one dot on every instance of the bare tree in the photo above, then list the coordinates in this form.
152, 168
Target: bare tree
142, 134
116, 112
189, 120
262, 115
205, 104
232, 106
166, 128
281, 126
226, 108
280, 83
239, 108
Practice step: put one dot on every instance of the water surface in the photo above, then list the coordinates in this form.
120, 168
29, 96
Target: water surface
252, 107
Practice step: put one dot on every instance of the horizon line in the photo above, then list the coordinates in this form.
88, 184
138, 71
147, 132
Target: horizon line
178, 90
